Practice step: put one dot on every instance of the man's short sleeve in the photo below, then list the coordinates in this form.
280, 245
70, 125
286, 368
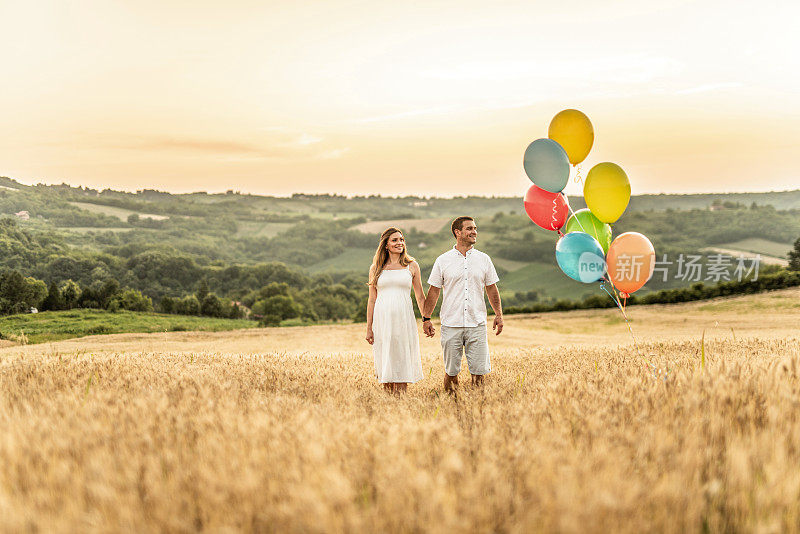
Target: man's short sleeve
436, 279
491, 277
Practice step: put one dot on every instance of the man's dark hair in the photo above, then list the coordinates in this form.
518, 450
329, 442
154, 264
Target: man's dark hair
458, 224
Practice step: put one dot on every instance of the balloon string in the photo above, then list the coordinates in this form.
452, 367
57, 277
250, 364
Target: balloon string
554, 215
578, 178
576, 217
657, 371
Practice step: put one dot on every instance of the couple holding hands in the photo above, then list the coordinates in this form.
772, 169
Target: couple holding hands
462, 274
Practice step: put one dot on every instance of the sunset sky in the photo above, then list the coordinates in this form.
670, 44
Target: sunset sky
395, 98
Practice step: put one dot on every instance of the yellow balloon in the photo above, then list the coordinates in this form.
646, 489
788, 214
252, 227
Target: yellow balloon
574, 132
607, 191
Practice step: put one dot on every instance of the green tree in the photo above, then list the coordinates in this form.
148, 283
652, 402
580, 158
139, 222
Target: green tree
270, 290
105, 292
794, 256
202, 290
330, 302
18, 294
131, 299
53, 301
211, 306
188, 306
235, 311
70, 294
280, 306
167, 305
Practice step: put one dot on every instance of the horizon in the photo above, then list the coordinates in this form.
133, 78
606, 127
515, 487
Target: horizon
361, 97
363, 195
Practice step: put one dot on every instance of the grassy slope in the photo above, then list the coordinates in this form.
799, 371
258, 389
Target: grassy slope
760, 246
52, 326
351, 260
121, 213
260, 229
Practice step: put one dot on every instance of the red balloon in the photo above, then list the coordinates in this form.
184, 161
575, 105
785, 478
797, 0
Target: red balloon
546, 209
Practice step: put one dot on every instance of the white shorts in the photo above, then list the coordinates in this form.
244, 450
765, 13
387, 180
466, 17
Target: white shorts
470, 341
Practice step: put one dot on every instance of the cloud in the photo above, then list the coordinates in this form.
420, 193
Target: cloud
302, 140
218, 146
636, 68
336, 153
709, 87
283, 146
405, 114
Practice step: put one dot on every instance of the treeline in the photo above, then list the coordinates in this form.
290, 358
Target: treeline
146, 276
322, 300
157, 270
21, 294
697, 291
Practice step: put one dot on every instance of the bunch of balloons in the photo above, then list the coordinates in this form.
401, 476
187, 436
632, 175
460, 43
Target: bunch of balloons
585, 250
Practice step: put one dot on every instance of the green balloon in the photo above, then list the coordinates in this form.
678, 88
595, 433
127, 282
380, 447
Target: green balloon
585, 221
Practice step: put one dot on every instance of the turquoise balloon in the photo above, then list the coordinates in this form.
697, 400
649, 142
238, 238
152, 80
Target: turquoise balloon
581, 257
547, 165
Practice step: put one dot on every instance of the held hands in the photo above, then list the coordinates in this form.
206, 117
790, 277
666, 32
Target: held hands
498, 324
428, 328
370, 336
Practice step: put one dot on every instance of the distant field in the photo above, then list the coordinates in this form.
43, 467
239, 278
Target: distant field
52, 326
120, 213
735, 253
87, 229
423, 225
761, 246
260, 229
509, 265
352, 259
336, 215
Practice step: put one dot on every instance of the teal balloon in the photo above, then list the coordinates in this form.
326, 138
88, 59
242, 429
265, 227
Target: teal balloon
585, 221
547, 165
581, 257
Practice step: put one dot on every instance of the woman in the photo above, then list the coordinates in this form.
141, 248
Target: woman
391, 325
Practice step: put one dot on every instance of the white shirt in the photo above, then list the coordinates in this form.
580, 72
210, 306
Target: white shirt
464, 279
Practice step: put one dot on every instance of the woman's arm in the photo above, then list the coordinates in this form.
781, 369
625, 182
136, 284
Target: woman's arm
416, 283
373, 294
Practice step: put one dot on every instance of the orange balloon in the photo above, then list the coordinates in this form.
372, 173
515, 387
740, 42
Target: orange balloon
631, 259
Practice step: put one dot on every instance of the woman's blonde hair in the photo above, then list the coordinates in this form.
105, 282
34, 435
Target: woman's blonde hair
382, 255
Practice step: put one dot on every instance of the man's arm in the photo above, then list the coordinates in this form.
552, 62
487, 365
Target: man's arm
494, 300
431, 300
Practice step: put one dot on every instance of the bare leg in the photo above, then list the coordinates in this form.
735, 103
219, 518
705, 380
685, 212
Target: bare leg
450, 383
477, 380
400, 387
388, 387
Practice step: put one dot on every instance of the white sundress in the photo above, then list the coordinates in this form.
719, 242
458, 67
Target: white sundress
396, 345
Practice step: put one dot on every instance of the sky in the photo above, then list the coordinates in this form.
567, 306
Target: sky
395, 98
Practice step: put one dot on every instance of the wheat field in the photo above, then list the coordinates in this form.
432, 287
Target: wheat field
284, 430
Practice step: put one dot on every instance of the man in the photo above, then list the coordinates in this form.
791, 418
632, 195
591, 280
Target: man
464, 273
